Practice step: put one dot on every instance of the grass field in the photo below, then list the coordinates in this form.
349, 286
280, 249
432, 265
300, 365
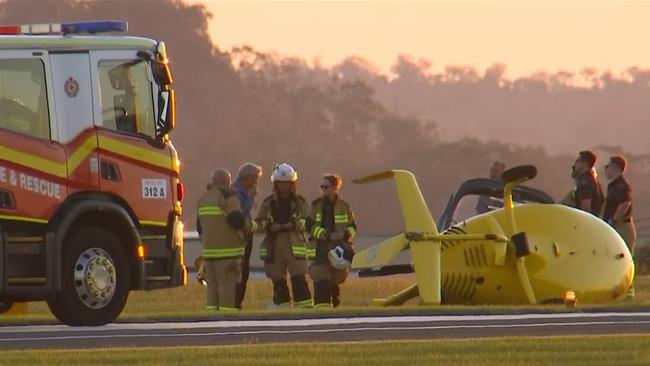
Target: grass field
585, 350
189, 302
357, 294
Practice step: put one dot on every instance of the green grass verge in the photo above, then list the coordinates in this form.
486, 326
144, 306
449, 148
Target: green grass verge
357, 293
584, 350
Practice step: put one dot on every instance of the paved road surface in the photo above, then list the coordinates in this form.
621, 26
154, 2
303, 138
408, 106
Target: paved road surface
321, 329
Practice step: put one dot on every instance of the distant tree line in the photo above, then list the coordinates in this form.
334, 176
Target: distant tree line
243, 105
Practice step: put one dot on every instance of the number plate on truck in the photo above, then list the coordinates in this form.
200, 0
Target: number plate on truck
154, 188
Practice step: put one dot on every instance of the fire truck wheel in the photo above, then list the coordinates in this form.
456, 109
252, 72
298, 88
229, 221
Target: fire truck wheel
95, 279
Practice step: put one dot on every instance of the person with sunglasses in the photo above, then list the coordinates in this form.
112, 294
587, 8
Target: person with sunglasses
332, 227
618, 206
588, 193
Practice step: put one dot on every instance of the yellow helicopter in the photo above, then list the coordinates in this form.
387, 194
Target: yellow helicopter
531, 253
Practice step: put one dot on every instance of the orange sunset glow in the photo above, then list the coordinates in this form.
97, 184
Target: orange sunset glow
526, 36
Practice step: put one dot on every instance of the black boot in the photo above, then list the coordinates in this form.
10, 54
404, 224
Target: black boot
301, 293
281, 292
322, 295
336, 295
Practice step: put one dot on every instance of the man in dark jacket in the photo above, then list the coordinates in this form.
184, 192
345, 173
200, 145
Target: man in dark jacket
588, 192
618, 208
245, 187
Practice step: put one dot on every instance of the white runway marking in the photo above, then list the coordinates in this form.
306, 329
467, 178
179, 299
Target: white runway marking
220, 324
319, 331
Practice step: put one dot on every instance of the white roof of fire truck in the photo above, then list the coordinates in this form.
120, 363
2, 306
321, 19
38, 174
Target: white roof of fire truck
71, 36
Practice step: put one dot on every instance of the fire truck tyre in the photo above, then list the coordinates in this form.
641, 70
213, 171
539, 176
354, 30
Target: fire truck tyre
95, 279
5, 305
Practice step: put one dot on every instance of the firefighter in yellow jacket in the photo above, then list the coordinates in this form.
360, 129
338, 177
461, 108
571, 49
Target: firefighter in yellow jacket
221, 224
282, 216
332, 228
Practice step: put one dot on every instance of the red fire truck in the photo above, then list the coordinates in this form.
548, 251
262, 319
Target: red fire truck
90, 195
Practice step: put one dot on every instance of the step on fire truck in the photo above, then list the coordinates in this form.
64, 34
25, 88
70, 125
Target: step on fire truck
90, 196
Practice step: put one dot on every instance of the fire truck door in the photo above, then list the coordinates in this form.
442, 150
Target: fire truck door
32, 162
74, 109
132, 167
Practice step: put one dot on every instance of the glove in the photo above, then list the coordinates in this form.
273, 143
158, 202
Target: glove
201, 279
199, 264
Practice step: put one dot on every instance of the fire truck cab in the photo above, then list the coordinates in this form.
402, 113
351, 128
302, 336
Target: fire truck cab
90, 194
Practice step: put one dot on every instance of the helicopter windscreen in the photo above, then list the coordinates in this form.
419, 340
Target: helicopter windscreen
472, 205
479, 195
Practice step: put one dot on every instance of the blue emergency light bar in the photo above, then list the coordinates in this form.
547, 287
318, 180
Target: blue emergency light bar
91, 27
95, 27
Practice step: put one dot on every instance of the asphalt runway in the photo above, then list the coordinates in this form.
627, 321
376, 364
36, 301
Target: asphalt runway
366, 328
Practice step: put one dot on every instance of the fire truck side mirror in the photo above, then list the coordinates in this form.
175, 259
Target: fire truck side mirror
160, 66
166, 98
161, 73
166, 113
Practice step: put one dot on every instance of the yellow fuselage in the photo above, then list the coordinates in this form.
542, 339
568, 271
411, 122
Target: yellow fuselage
570, 249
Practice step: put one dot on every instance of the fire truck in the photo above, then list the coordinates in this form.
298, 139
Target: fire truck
90, 193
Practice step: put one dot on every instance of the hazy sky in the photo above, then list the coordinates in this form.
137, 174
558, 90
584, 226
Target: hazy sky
526, 36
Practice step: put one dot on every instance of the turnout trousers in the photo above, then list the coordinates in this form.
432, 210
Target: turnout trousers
223, 277
283, 261
326, 283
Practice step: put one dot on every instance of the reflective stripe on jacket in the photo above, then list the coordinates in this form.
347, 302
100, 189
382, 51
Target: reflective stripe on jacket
294, 238
343, 221
220, 240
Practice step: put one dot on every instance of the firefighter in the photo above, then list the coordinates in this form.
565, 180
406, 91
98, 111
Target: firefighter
332, 228
282, 217
222, 231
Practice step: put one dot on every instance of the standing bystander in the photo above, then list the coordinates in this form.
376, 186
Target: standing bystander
245, 187
588, 192
618, 208
486, 203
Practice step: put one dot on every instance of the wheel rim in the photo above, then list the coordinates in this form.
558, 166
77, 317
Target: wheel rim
95, 278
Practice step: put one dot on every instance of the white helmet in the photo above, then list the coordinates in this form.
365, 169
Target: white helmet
284, 173
339, 257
